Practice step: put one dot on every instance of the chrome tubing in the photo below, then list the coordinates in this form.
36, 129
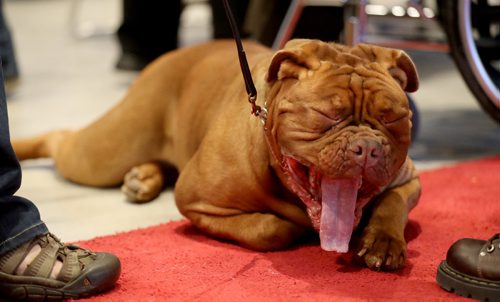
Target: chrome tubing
482, 76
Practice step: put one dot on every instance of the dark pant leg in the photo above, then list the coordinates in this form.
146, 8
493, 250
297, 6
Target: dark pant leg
10, 69
149, 28
19, 217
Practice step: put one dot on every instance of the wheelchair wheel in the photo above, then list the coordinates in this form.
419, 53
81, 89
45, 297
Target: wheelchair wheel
473, 30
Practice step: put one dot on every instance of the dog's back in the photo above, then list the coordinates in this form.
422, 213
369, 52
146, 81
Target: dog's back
155, 121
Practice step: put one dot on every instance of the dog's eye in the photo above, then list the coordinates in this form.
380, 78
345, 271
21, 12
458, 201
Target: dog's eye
392, 116
388, 110
341, 108
337, 110
325, 119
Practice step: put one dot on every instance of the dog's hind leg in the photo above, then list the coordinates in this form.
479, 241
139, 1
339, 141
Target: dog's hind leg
144, 182
40, 146
76, 159
89, 157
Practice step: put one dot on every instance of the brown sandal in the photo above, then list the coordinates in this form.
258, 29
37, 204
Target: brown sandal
83, 273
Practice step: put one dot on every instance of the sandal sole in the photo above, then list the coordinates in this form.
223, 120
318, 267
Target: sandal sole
37, 292
34, 293
465, 285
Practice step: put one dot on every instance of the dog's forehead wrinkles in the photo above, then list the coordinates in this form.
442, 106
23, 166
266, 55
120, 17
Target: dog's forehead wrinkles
356, 87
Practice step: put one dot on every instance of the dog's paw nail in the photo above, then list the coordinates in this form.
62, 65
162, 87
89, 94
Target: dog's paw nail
128, 194
133, 172
388, 261
362, 252
134, 184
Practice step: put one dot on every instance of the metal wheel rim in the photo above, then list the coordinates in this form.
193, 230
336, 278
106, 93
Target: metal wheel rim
472, 55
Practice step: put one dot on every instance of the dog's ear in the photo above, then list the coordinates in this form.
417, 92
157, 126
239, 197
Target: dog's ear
397, 62
404, 63
294, 61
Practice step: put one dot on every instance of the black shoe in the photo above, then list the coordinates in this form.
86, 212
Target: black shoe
131, 62
472, 269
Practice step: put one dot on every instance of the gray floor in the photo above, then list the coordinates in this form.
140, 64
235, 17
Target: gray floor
68, 80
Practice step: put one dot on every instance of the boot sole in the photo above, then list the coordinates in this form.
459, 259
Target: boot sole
467, 286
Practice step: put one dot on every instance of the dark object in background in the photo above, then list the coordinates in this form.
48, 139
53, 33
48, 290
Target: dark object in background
148, 30
263, 22
220, 24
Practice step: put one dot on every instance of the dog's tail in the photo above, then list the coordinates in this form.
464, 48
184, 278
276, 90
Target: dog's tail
45, 145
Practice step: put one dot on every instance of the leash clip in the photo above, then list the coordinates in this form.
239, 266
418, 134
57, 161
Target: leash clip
258, 111
262, 114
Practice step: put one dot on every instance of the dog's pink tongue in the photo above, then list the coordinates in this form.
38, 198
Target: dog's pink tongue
337, 213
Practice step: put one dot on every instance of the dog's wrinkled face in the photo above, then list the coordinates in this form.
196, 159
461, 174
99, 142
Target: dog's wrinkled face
339, 124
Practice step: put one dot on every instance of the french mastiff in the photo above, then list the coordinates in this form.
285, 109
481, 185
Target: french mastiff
334, 144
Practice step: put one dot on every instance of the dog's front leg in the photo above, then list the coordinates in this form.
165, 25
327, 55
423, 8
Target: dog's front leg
239, 212
256, 231
382, 244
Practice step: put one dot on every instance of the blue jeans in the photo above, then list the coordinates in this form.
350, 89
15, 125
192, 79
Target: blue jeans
19, 217
10, 69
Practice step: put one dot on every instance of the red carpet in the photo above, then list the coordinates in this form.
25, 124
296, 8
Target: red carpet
175, 262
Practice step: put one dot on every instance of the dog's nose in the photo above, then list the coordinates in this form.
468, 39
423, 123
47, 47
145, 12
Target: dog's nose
365, 152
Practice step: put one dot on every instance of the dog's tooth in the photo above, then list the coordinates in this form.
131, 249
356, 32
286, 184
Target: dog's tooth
311, 182
312, 176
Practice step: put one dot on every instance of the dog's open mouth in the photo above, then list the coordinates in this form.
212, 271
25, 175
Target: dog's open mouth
331, 202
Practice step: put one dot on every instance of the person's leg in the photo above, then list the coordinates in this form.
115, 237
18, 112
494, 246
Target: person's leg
10, 69
34, 264
19, 218
148, 29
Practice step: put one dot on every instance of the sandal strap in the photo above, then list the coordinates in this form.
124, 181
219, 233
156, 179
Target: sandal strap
44, 262
73, 259
10, 261
71, 267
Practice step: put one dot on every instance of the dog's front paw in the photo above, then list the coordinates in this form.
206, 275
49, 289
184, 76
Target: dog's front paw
382, 250
143, 183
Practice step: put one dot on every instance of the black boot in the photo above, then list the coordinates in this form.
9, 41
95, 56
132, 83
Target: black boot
472, 269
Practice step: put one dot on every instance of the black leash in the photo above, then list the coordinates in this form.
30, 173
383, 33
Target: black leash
247, 76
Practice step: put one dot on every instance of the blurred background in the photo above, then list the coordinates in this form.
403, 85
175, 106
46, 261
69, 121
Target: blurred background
72, 60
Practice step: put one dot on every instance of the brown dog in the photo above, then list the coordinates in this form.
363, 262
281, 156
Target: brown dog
335, 139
